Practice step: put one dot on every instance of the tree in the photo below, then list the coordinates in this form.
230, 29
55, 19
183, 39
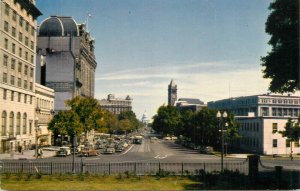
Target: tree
130, 115
166, 120
281, 64
125, 125
291, 132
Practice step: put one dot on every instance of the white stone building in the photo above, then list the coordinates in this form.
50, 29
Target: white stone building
17, 76
261, 117
116, 105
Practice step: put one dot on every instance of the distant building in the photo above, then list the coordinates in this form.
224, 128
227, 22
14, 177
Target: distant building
172, 93
65, 59
145, 119
17, 76
260, 118
192, 104
116, 105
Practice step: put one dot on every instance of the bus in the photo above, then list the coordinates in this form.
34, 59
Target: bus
138, 139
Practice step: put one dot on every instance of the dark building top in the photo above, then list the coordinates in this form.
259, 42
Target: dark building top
58, 26
191, 101
29, 7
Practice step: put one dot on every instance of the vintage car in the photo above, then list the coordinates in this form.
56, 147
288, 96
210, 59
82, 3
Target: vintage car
88, 152
63, 151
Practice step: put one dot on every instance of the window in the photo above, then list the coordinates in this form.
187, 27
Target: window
274, 143
11, 123
18, 124
25, 98
24, 123
287, 143
13, 31
31, 59
31, 45
31, 97
26, 41
4, 123
12, 80
25, 84
20, 52
20, 67
4, 94
32, 31
27, 26
5, 77
19, 82
26, 70
19, 97
6, 43
275, 127
13, 64
6, 9
5, 58
6, 26
12, 96
31, 72
14, 15
30, 127
13, 48
296, 144
20, 37
26, 55
30, 86
21, 21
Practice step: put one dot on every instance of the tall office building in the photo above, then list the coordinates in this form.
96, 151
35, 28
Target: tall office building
172, 93
260, 118
17, 76
65, 59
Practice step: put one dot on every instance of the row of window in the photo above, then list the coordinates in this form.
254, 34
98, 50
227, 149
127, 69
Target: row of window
9, 127
44, 104
287, 143
27, 69
251, 127
21, 37
17, 96
250, 142
280, 111
280, 101
14, 81
15, 16
26, 54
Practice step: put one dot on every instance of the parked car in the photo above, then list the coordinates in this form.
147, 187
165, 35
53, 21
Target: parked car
63, 151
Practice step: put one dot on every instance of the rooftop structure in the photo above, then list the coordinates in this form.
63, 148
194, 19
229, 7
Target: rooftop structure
116, 105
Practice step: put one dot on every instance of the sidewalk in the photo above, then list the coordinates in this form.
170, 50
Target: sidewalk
28, 154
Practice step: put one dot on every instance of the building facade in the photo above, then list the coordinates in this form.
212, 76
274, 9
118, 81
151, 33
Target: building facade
260, 118
191, 104
66, 60
116, 105
172, 93
17, 76
44, 108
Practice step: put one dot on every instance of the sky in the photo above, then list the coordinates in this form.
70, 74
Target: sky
211, 48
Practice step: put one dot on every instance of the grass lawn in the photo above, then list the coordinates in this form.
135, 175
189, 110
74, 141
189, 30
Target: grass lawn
74, 182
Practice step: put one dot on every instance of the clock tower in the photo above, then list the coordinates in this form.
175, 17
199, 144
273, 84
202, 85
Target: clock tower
172, 93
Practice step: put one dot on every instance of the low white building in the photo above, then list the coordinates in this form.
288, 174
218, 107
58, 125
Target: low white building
261, 117
44, 111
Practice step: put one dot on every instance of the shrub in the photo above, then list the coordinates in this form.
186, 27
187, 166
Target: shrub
29, 176
19, 176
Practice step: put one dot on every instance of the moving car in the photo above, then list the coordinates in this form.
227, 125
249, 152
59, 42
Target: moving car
87, 152
63, 151
109, 150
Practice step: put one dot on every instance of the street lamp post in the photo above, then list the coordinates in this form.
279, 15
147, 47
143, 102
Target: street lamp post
36, 137
219, 116
74, 149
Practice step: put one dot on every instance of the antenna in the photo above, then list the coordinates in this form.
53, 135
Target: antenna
88, 15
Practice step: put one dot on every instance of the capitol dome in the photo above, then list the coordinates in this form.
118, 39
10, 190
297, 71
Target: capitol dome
59, 26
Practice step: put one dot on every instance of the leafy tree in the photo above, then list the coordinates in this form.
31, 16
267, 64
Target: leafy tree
166, 120
282, 62
65, 123
125, 125
88, 111
291, 132
130, 115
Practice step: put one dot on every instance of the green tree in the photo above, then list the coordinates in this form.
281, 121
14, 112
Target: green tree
166, 120
88, 111
125, 125
281, 64
291, 132
131, 117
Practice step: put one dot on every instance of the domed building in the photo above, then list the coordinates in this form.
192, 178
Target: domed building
65, 59
145, 119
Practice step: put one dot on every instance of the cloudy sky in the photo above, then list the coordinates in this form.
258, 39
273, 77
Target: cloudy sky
211, 48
